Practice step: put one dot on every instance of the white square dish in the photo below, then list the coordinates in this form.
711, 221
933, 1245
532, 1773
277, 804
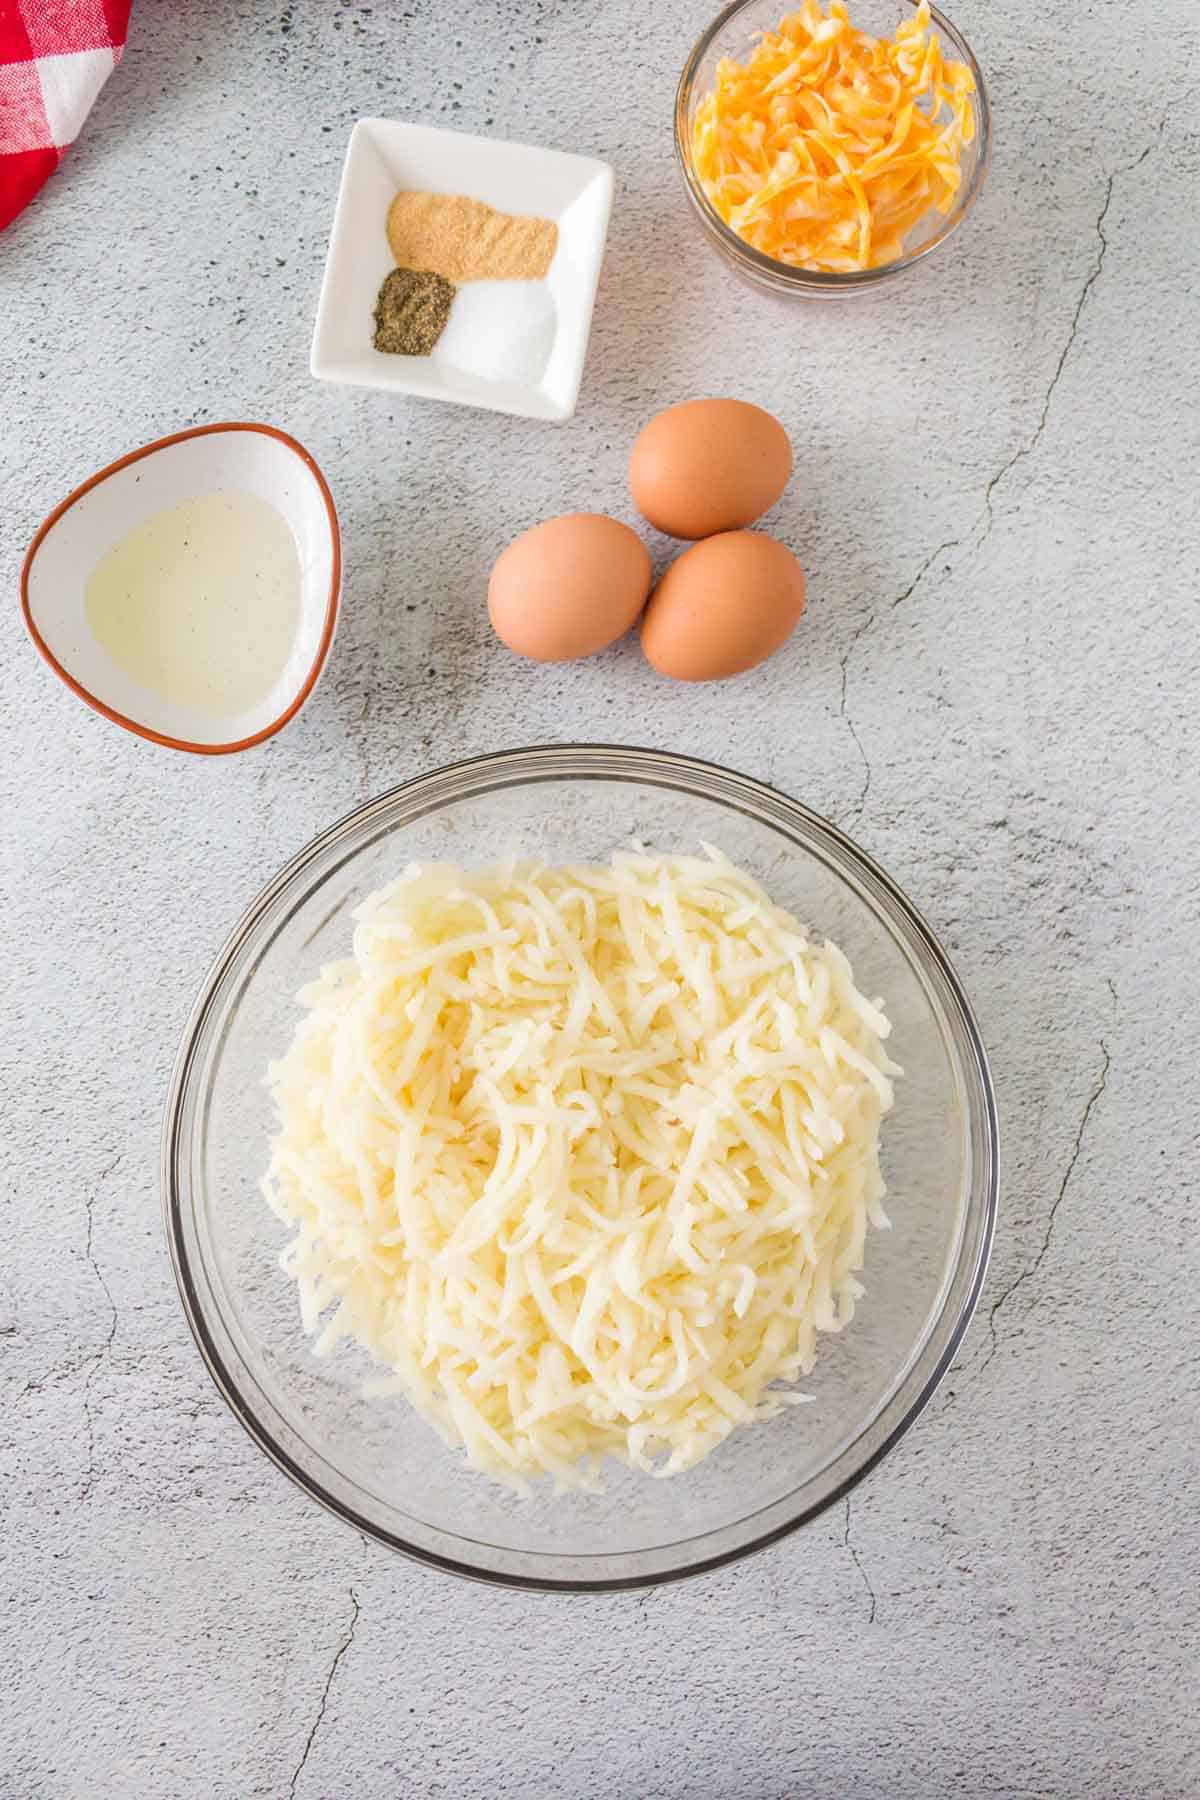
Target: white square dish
384, 157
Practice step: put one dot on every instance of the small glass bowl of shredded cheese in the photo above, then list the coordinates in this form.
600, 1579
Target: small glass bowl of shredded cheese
829, 147
591, 1250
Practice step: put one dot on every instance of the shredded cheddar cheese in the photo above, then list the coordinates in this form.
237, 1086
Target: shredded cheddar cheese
827, 146
586, 1157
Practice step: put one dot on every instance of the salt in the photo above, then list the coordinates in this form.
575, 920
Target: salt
499, 331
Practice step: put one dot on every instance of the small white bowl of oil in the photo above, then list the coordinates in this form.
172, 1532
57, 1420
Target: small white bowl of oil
189, 591
509, 346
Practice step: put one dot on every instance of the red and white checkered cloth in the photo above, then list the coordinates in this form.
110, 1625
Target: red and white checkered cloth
55, 56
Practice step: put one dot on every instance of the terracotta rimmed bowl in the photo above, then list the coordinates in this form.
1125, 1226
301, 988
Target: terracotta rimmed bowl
245, 458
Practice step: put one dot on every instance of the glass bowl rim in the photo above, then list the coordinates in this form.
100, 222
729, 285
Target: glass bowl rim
783, 274
532, 765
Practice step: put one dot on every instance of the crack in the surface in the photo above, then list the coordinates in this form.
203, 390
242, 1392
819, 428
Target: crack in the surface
361, 742
333, 1669
1025, 450
850, 727
96, 1356
1028, 1273
856, 1559
55, 1376
985, 518
918, 578
91, 1359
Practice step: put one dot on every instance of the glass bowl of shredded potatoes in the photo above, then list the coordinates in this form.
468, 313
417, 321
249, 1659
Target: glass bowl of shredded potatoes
580, 1167
828, 146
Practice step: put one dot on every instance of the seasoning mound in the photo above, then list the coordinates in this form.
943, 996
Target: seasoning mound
411, 312
464, 240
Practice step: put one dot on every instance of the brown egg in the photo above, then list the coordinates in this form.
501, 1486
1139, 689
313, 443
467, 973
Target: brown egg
568, 587
709, 465
723, 606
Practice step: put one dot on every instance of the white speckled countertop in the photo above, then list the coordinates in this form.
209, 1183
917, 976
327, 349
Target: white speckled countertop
994, 690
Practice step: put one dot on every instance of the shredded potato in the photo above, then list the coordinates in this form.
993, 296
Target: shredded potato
827, 146
585, 1156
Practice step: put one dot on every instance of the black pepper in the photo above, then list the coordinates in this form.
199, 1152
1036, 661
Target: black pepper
411, 312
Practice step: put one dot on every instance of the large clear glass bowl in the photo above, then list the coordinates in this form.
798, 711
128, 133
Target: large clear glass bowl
374, 1462
734, 34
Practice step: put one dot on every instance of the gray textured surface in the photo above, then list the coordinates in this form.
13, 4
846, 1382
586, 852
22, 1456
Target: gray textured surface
994, 689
